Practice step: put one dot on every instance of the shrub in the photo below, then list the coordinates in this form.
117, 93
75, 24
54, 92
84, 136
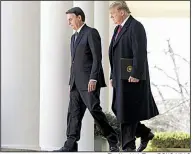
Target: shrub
171, 140
161, 139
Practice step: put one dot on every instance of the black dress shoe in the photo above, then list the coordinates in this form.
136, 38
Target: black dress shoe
145, 141
129, 150
114, 149
65, 149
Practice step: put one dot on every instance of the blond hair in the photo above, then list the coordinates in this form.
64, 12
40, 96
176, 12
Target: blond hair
120, 5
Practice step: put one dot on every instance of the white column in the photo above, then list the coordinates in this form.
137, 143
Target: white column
101, 23
20, 74
86, 142
54, 70
88, 8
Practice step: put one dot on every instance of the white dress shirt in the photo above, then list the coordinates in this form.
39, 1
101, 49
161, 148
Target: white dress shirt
80, 28
123, 23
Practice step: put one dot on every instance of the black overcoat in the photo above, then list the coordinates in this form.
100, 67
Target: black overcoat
132, 102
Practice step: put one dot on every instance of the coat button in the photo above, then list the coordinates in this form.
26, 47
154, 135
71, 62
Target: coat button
73, 62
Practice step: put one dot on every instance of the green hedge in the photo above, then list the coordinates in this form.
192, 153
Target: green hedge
161, 139
171, 140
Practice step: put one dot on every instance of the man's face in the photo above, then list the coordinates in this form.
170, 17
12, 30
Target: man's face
116, 15
73, 20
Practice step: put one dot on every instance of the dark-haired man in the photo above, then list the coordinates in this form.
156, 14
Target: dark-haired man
86, 79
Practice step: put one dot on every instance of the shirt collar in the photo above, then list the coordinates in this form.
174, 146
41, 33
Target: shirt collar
123, 23
80, 28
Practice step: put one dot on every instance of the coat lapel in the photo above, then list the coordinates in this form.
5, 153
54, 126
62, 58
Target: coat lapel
79, 36
72, 46
112, 40
81, 33
124, 29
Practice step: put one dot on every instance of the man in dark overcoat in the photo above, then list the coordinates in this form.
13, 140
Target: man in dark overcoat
132, 98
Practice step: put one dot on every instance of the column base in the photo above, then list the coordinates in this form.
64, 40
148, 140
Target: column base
18, 147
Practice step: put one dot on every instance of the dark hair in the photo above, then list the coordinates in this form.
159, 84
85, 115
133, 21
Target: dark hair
77, 11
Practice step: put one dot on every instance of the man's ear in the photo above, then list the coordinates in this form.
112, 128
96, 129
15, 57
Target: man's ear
122, 12
79, 17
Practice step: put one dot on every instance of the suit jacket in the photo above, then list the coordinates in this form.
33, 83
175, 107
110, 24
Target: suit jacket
132, 102
86, 59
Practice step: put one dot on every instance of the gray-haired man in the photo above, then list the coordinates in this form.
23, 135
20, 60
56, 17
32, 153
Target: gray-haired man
132, 98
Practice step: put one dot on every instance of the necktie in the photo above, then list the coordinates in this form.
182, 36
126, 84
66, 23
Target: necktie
119, 29
76, 35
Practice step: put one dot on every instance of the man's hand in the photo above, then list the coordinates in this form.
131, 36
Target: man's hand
111, 82
132, 79
91, 85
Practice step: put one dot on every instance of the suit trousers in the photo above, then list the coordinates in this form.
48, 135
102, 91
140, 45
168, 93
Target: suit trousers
79, 101
130, 131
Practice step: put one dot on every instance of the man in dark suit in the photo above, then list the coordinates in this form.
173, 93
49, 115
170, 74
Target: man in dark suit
132, 98
86, 79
